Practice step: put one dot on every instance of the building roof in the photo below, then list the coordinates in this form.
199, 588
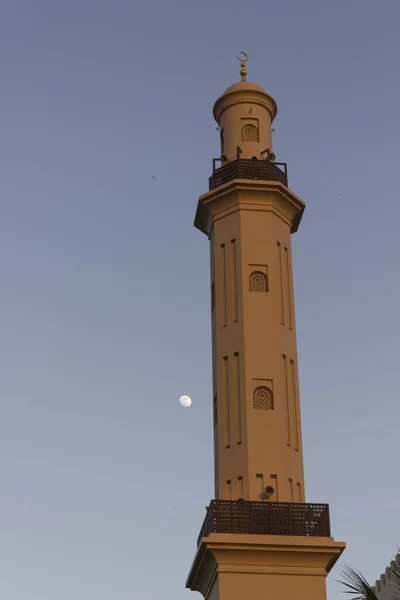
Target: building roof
244, 86
241, 90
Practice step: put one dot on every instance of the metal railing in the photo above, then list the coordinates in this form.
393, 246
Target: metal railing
266, 518
244, 168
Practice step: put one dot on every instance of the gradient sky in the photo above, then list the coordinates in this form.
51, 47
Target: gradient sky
105, 317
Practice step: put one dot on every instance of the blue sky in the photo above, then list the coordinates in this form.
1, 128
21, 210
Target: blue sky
104, 300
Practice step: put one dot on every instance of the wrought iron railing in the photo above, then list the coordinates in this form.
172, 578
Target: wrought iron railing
266, 518
244, 168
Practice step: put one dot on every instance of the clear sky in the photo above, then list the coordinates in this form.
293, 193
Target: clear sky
105, 317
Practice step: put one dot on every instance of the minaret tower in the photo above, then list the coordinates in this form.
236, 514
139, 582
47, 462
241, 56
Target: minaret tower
259, 538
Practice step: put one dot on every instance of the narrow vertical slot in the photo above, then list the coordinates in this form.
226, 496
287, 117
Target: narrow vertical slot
291, 489
229, 489
260, 479
275, 478
299, 498
280, 274
225, 384
295, 403
289, 290
216, 452
238, 404
287, 398
223, 286
234, 294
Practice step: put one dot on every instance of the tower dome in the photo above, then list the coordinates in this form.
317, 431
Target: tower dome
244, 86
244, 114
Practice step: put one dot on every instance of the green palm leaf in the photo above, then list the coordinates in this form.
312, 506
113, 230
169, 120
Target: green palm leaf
395, 574
357, 585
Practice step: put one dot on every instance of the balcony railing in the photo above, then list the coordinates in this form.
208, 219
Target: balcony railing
244, 168
266, 518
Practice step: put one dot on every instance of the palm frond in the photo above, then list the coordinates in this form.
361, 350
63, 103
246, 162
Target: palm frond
394, 570
357, 585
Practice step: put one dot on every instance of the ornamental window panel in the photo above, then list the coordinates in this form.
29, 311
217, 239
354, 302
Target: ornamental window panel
250, 133
258, 282
263, 398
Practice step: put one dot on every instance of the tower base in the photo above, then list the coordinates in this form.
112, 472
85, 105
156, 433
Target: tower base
241, 567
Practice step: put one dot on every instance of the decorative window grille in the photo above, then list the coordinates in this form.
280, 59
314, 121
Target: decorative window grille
250, 133
258, 282
263, 398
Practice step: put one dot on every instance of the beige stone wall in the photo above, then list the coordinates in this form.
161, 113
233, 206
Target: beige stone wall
257, 425
263, 567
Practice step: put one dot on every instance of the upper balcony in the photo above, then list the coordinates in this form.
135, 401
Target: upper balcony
266, 518
244, 168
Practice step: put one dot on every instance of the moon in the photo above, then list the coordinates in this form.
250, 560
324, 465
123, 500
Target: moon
185, 401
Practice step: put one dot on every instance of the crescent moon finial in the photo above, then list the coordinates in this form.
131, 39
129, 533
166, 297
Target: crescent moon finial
242, 56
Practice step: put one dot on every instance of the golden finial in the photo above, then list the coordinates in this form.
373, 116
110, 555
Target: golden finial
242, 56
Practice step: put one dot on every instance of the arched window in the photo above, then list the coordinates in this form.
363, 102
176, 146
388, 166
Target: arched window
249, 133
263, 398
258, 282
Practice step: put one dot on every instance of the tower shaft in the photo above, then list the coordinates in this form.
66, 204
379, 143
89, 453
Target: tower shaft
259, 538
257, 425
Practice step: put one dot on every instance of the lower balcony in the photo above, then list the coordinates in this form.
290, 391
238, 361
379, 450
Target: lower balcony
266, 518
